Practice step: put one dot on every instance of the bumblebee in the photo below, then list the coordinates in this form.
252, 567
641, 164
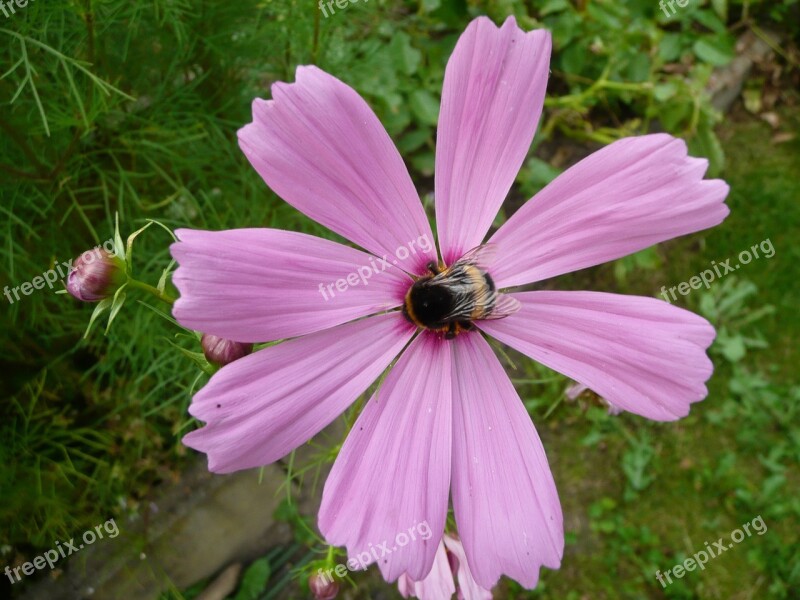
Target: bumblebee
449, 299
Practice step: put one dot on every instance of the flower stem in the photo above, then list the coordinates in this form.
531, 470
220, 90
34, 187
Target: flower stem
151, 290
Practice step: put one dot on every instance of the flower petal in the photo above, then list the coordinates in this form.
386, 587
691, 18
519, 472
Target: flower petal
505, 501
492, 98
393, 472
261, 285
633, 193
438, 585
320, 147
261, 407
641, 354
468, 588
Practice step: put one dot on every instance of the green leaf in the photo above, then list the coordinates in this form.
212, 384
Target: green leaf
675, 114
646, 259
716, 51
706, 143
670, 47
396, 120
413, 140
553, 6
254, 580
733, 348
406, 57
573, 58
536, 174
665, 91
430, 5
603, 15
565, 27
425, 106
424, 162
710, 20
639, 67
636, 465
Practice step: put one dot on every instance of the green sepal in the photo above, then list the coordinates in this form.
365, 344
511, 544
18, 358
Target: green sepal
197, 357
119, 247
162, 281
101, 307
116, 306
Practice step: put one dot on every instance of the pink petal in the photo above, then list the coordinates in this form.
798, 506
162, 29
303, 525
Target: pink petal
261, 407
321, 148
468, 588
493, 93
438, 585
260, 285
628, 196
393, 472
505, 501
641, 354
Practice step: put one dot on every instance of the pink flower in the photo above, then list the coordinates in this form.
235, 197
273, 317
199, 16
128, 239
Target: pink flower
322, 588
438, 585
221, 352
95, 275
446, 419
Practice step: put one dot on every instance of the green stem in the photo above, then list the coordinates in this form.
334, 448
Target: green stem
329, 557
135, 283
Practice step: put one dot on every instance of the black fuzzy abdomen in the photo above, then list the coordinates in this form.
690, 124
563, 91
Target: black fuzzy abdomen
430, 305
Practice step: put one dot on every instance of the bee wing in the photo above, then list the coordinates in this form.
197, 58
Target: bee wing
480, 256
504, 306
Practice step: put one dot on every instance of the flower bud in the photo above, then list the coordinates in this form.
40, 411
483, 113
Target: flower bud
220, 351
322, 587
95, 275
578, 389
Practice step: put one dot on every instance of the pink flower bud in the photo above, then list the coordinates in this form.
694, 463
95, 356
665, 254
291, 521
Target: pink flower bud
220, 351
95, 275
322, 587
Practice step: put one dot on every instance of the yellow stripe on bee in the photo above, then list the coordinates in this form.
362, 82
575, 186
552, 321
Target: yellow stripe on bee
481, 291
410, 310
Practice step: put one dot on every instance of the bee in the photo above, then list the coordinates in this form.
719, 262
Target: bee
449, 299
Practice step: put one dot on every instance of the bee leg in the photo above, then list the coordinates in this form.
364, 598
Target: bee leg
433, 267
452, 331
466, 325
